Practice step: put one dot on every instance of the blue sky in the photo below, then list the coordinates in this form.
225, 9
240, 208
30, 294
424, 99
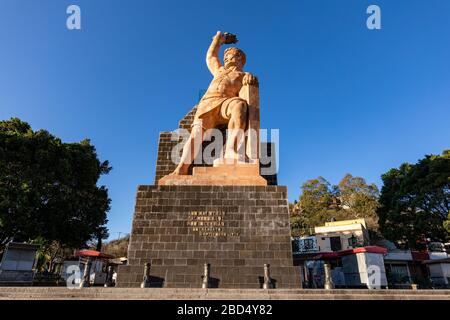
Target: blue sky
345, 99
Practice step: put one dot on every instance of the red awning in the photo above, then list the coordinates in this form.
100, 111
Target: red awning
93, 253
337, 254
368, 249
326, 256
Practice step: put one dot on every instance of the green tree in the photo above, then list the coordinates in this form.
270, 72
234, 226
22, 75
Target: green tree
117, 248
321, 202
359, 199
48, 189
447, 223
317, 205
415, 201
50, 253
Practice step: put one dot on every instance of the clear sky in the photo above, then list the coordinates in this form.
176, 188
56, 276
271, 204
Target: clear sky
345, 99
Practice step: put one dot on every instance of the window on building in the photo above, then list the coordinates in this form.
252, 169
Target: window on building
353, 241
398, 273
309, 245
335, 243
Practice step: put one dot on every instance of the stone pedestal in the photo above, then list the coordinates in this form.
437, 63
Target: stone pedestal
221, 174
236, 229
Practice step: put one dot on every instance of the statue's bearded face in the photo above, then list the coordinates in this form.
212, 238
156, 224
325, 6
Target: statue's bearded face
233, 59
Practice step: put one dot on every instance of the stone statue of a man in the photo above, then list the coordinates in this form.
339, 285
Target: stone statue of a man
221, 103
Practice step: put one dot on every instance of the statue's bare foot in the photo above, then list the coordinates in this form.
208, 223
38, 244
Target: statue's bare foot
175, 172
232, 157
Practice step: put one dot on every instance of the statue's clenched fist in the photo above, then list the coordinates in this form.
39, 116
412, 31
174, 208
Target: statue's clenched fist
225, 37
220, 36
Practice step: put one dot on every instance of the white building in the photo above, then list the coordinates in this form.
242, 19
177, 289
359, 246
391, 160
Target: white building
342, 235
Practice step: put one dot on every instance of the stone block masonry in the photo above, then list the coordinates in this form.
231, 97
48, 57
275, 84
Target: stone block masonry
236, 229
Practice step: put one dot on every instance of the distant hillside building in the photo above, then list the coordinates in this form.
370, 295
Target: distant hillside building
342, 235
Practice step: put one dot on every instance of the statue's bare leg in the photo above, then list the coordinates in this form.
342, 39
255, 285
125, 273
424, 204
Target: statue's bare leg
190, 150
236, 127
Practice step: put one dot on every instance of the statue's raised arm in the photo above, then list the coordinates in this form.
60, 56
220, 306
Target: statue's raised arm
229, 100
212, 56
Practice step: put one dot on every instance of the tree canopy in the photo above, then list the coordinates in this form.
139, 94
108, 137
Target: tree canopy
48, 189
447, 223
321, 202
415, 201
117, 248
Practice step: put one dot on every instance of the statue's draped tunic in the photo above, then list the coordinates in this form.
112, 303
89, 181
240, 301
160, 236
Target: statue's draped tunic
223, 90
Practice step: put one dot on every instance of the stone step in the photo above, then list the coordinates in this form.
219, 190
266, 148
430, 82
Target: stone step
59, 293
95, 290
284, 297
220, 291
